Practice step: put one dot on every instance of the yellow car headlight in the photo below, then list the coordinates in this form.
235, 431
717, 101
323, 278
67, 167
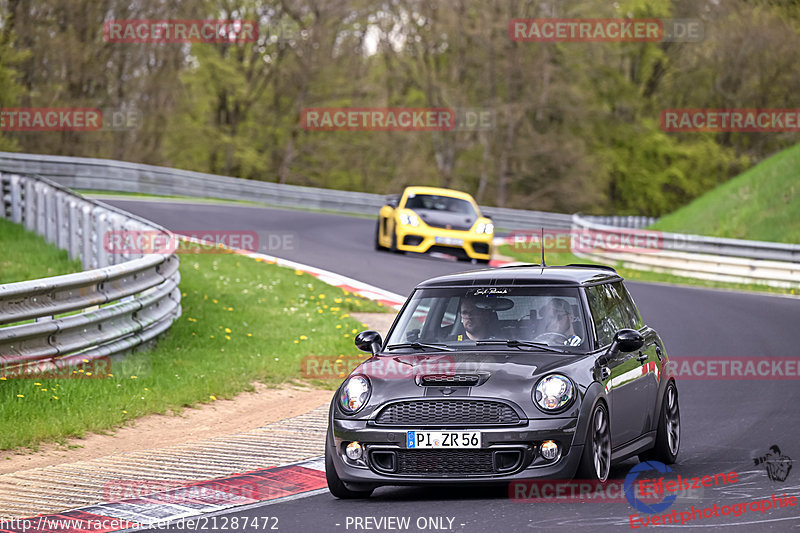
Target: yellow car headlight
486, 227
409, 220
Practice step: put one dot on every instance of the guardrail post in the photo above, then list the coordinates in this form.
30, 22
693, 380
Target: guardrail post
16, 199
85, 235
102, 226
62, 220
31, 198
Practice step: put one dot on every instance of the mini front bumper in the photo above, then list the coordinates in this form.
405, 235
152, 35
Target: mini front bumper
523, 438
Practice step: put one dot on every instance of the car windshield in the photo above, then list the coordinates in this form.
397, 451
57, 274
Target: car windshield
488, 317
433, 202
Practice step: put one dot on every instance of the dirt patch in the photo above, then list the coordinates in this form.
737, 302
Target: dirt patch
248, 410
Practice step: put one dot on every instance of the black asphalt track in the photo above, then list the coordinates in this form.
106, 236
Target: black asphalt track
725, 422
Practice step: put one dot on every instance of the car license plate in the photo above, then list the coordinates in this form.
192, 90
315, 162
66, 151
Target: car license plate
444, 439
450, 241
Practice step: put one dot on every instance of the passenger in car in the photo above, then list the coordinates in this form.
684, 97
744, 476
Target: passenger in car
559, 321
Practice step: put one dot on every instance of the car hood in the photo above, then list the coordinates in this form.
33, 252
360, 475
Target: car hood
442, 219
509, 376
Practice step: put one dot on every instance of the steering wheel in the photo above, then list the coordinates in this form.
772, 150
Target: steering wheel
551, 335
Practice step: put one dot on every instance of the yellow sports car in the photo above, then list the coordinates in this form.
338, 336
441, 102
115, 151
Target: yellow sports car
430, 219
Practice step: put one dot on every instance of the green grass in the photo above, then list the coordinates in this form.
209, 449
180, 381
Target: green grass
760, 204
243, 322
565, 258
25, 255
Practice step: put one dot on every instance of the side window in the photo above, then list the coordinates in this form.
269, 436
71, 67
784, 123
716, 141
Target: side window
606, 312
632, 317
599, 315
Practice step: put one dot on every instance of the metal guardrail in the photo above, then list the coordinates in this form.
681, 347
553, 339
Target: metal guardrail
712, 258
121, 302
119, 176
620, 221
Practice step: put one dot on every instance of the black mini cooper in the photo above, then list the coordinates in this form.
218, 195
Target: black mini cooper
504, 374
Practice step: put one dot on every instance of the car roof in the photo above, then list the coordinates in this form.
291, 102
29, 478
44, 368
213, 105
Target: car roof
439, 192
574, 275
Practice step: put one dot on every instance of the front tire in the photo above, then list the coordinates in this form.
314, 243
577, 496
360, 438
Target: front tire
668, 436
595, 462
393, 247
335, 485
378, 246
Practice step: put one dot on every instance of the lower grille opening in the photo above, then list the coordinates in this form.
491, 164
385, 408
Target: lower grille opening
384, 461
480, 247
412, 240
507, 461
445, 462
460, 253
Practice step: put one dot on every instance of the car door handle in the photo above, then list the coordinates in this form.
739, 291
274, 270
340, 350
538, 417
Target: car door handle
642, 357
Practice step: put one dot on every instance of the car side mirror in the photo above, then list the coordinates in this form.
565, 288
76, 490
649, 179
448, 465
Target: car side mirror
369, 341
625, 341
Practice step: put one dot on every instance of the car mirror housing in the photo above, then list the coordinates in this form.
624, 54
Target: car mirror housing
626, 340
369, 341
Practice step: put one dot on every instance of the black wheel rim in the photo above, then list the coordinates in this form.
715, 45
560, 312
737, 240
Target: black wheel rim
673, 419
601, 442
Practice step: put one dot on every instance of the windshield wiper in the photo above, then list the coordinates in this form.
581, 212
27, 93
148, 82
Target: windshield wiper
514, 343
420, 345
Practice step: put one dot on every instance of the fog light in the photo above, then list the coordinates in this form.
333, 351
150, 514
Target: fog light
549, 450
354, 451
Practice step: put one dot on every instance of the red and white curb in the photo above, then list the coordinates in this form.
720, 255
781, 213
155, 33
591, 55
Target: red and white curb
159, 509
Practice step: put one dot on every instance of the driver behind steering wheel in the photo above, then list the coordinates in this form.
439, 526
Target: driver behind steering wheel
479, 322
558, 321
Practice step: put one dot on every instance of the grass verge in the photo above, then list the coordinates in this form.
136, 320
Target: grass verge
243, 322
25, 255
760, 204
565, 258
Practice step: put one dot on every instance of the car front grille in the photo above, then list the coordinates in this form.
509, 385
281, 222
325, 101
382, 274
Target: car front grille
447, 413
444, 462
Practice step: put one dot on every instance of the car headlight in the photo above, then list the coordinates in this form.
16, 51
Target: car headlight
487, 228
409, 220
354, 394
553, 392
